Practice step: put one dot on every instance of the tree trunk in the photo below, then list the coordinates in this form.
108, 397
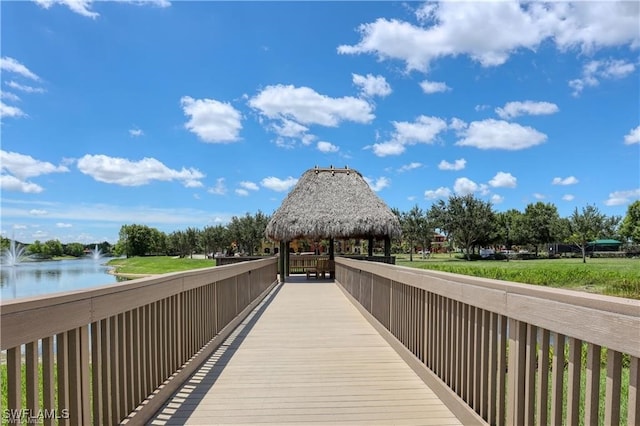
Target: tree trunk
584, 253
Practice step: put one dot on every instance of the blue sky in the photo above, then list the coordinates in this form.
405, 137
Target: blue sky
177, 114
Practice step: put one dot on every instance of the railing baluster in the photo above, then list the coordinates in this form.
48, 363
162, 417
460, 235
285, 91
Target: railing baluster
14, 379
573, 391
48, 379
123, 364
516, 374
542, 394
530, 375
493, 368
32, 373
62, 365
116, 409
557, 381
477, 355
105, 371
633, 410
612, 398
96, 374
484, 366
502, 371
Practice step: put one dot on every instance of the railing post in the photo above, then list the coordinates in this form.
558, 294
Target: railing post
516, 372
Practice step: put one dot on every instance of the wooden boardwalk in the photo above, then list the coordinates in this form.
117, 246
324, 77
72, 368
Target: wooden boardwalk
305, 355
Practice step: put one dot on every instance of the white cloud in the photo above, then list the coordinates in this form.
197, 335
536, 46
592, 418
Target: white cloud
306, 106
539, 196
388, 148
619, 198
423, 130
83, 7
24, 87
10, 111
277, 184
289, 129
568, 197
242, 192
498, 134
410, 166
371, 85
38, 212
12, 183
633, 136
442, 192
411, 197
378, 184
63, 225
594, 71
121, 171
251, 186
327, 147
430, 87
25, 166
503, 180
465, 186
497, 199
570, 180
457, 124
516, 109
211, 120
11, 65
481, 107
456, 165
484, 189
449, 29
135, 132
9, 96
219, 188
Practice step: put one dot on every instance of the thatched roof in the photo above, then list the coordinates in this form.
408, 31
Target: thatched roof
332, 203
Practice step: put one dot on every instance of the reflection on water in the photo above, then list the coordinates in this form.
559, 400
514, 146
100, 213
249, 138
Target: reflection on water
37, 278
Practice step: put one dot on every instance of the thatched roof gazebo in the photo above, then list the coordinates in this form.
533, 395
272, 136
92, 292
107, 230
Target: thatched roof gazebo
330, 203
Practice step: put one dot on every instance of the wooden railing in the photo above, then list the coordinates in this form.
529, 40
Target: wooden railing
511, 353
115, 353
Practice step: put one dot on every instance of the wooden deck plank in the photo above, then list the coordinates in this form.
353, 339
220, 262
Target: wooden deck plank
308, 356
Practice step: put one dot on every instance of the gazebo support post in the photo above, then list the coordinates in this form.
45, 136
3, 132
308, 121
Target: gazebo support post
370, 248
287, 269
332, 256
387, 246
281, 261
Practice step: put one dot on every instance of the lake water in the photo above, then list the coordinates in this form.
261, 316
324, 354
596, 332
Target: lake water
37, 278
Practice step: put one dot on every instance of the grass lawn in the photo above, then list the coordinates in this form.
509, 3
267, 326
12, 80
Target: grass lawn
614, 277
158, 264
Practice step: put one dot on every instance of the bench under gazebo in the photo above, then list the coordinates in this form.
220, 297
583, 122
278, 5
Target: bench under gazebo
332, 203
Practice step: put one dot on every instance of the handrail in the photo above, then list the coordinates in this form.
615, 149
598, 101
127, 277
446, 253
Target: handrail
467, 330
113, 346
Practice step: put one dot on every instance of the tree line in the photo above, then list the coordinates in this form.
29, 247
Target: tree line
242, 234
469, 223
